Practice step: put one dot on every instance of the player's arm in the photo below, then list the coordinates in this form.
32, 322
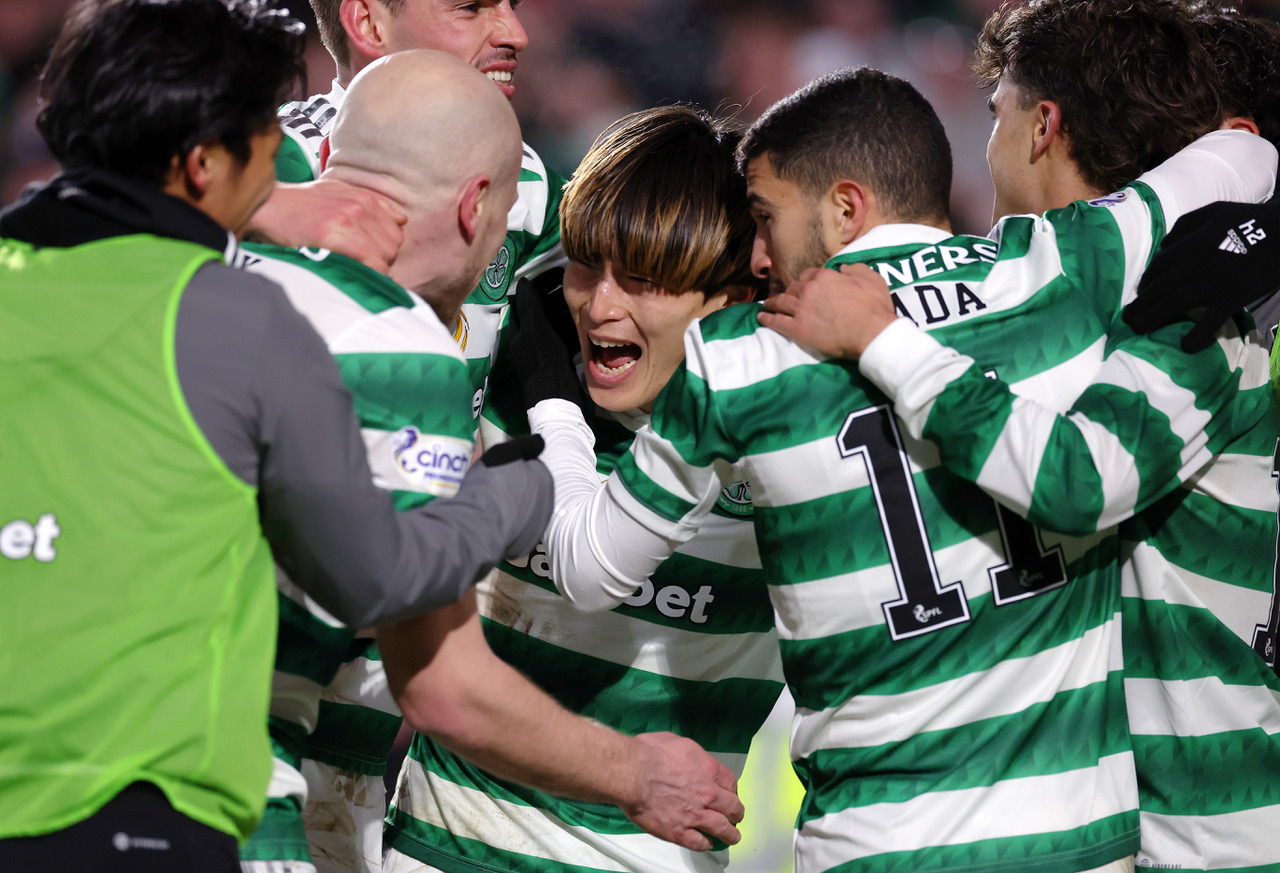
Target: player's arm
1221, 165
265, 392
1150, 418
603, 542
451, 687
329, 214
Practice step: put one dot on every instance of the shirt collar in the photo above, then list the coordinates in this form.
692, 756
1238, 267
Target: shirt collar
885, 236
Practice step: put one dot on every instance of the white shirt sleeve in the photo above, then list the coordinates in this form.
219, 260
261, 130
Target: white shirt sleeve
1221, 165
590, 535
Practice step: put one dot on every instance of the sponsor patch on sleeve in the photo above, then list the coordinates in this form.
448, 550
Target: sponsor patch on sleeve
429, 463
1111, 199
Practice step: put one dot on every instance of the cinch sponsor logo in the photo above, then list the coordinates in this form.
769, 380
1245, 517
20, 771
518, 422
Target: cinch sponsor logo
434, 464
20, 539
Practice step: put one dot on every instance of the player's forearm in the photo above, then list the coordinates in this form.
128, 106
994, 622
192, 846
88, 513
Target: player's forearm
1134, 435
504, 724
452, 687
599, 554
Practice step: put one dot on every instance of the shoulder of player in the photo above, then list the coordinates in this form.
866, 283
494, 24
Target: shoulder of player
538, 196
311, 118
344, 299
1084, 219
730, 345
364, 285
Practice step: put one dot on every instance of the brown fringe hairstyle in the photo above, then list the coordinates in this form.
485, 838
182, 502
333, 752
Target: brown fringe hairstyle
658, 194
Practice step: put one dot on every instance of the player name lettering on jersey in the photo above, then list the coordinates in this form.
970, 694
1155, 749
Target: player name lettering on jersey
945, 302
20, 539
934, 261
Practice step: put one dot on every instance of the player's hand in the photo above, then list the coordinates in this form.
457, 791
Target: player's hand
1218, 260
682, 794
543, 361
836, 314
512, 468
521, 448
328, 214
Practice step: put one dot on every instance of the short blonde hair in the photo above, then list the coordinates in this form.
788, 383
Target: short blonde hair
659, 195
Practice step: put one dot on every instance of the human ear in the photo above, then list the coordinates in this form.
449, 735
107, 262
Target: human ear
1239, 122
1047, 128
472, 206
365, 26
845, 208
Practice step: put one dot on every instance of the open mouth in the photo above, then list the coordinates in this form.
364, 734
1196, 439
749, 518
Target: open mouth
502, 77
613, 358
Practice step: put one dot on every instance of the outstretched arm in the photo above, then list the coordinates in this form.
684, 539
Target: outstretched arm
1149, 419
450, 686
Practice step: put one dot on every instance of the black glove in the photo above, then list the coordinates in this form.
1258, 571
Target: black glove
521, 448
1217, 261
543, 361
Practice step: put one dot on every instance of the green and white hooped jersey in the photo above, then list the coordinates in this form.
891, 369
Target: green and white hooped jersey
957, 672
532, 244
694, 652
1200, 630
412, 397
1188, 443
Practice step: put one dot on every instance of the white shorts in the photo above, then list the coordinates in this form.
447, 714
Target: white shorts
343, 818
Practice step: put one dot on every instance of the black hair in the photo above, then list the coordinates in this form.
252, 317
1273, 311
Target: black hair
864, 125
1132, 77
1246, 50
132, 84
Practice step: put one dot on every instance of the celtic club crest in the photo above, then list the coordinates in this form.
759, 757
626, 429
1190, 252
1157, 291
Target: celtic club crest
498, 275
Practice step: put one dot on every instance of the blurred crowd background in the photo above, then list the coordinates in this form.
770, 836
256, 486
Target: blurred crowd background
591, 61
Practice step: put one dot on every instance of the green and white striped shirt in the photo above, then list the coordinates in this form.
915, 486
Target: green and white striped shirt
533, 227
694, 651
412, 396
358, 718
957, 672
1187, 443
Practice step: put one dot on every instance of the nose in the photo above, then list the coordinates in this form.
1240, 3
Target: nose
510, 32
605, 304
761, 262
